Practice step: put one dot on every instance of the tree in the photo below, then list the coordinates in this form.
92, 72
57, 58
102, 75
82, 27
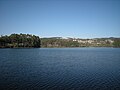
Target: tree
116, 43
20, 40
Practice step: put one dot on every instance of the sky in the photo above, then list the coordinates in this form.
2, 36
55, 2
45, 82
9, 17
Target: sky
61, 18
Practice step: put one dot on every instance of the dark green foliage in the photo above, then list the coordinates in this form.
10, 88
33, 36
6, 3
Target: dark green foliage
53, 42
19, 40
116, 43
71, 42
27, 40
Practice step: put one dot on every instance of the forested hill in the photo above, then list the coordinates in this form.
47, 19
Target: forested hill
32, 41
20, 41
77, 42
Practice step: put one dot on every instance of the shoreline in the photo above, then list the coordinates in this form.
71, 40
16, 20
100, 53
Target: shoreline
53, 47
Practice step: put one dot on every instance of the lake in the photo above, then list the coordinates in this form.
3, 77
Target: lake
60, 69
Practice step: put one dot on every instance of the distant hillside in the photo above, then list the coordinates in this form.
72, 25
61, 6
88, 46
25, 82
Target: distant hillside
77, 42
32, 41
20, 41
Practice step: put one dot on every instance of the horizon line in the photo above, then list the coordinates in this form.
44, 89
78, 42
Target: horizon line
63, 36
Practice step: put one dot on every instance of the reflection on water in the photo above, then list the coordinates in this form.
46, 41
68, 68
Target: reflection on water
60, 69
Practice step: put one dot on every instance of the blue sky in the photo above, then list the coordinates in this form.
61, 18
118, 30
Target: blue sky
65, 18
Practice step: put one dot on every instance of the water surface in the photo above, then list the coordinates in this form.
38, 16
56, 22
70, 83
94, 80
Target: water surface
60, 69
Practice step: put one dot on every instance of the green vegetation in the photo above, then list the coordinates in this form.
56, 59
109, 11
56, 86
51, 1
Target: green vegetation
54, 42
32, 41
73, 42
20, 41
116, 43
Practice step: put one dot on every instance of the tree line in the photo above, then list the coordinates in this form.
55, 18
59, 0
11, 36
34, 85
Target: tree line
20, 40
116, 42
32, 41
53, 42
99, 42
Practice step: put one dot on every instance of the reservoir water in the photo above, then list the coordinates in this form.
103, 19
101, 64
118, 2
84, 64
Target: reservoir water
60, 69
